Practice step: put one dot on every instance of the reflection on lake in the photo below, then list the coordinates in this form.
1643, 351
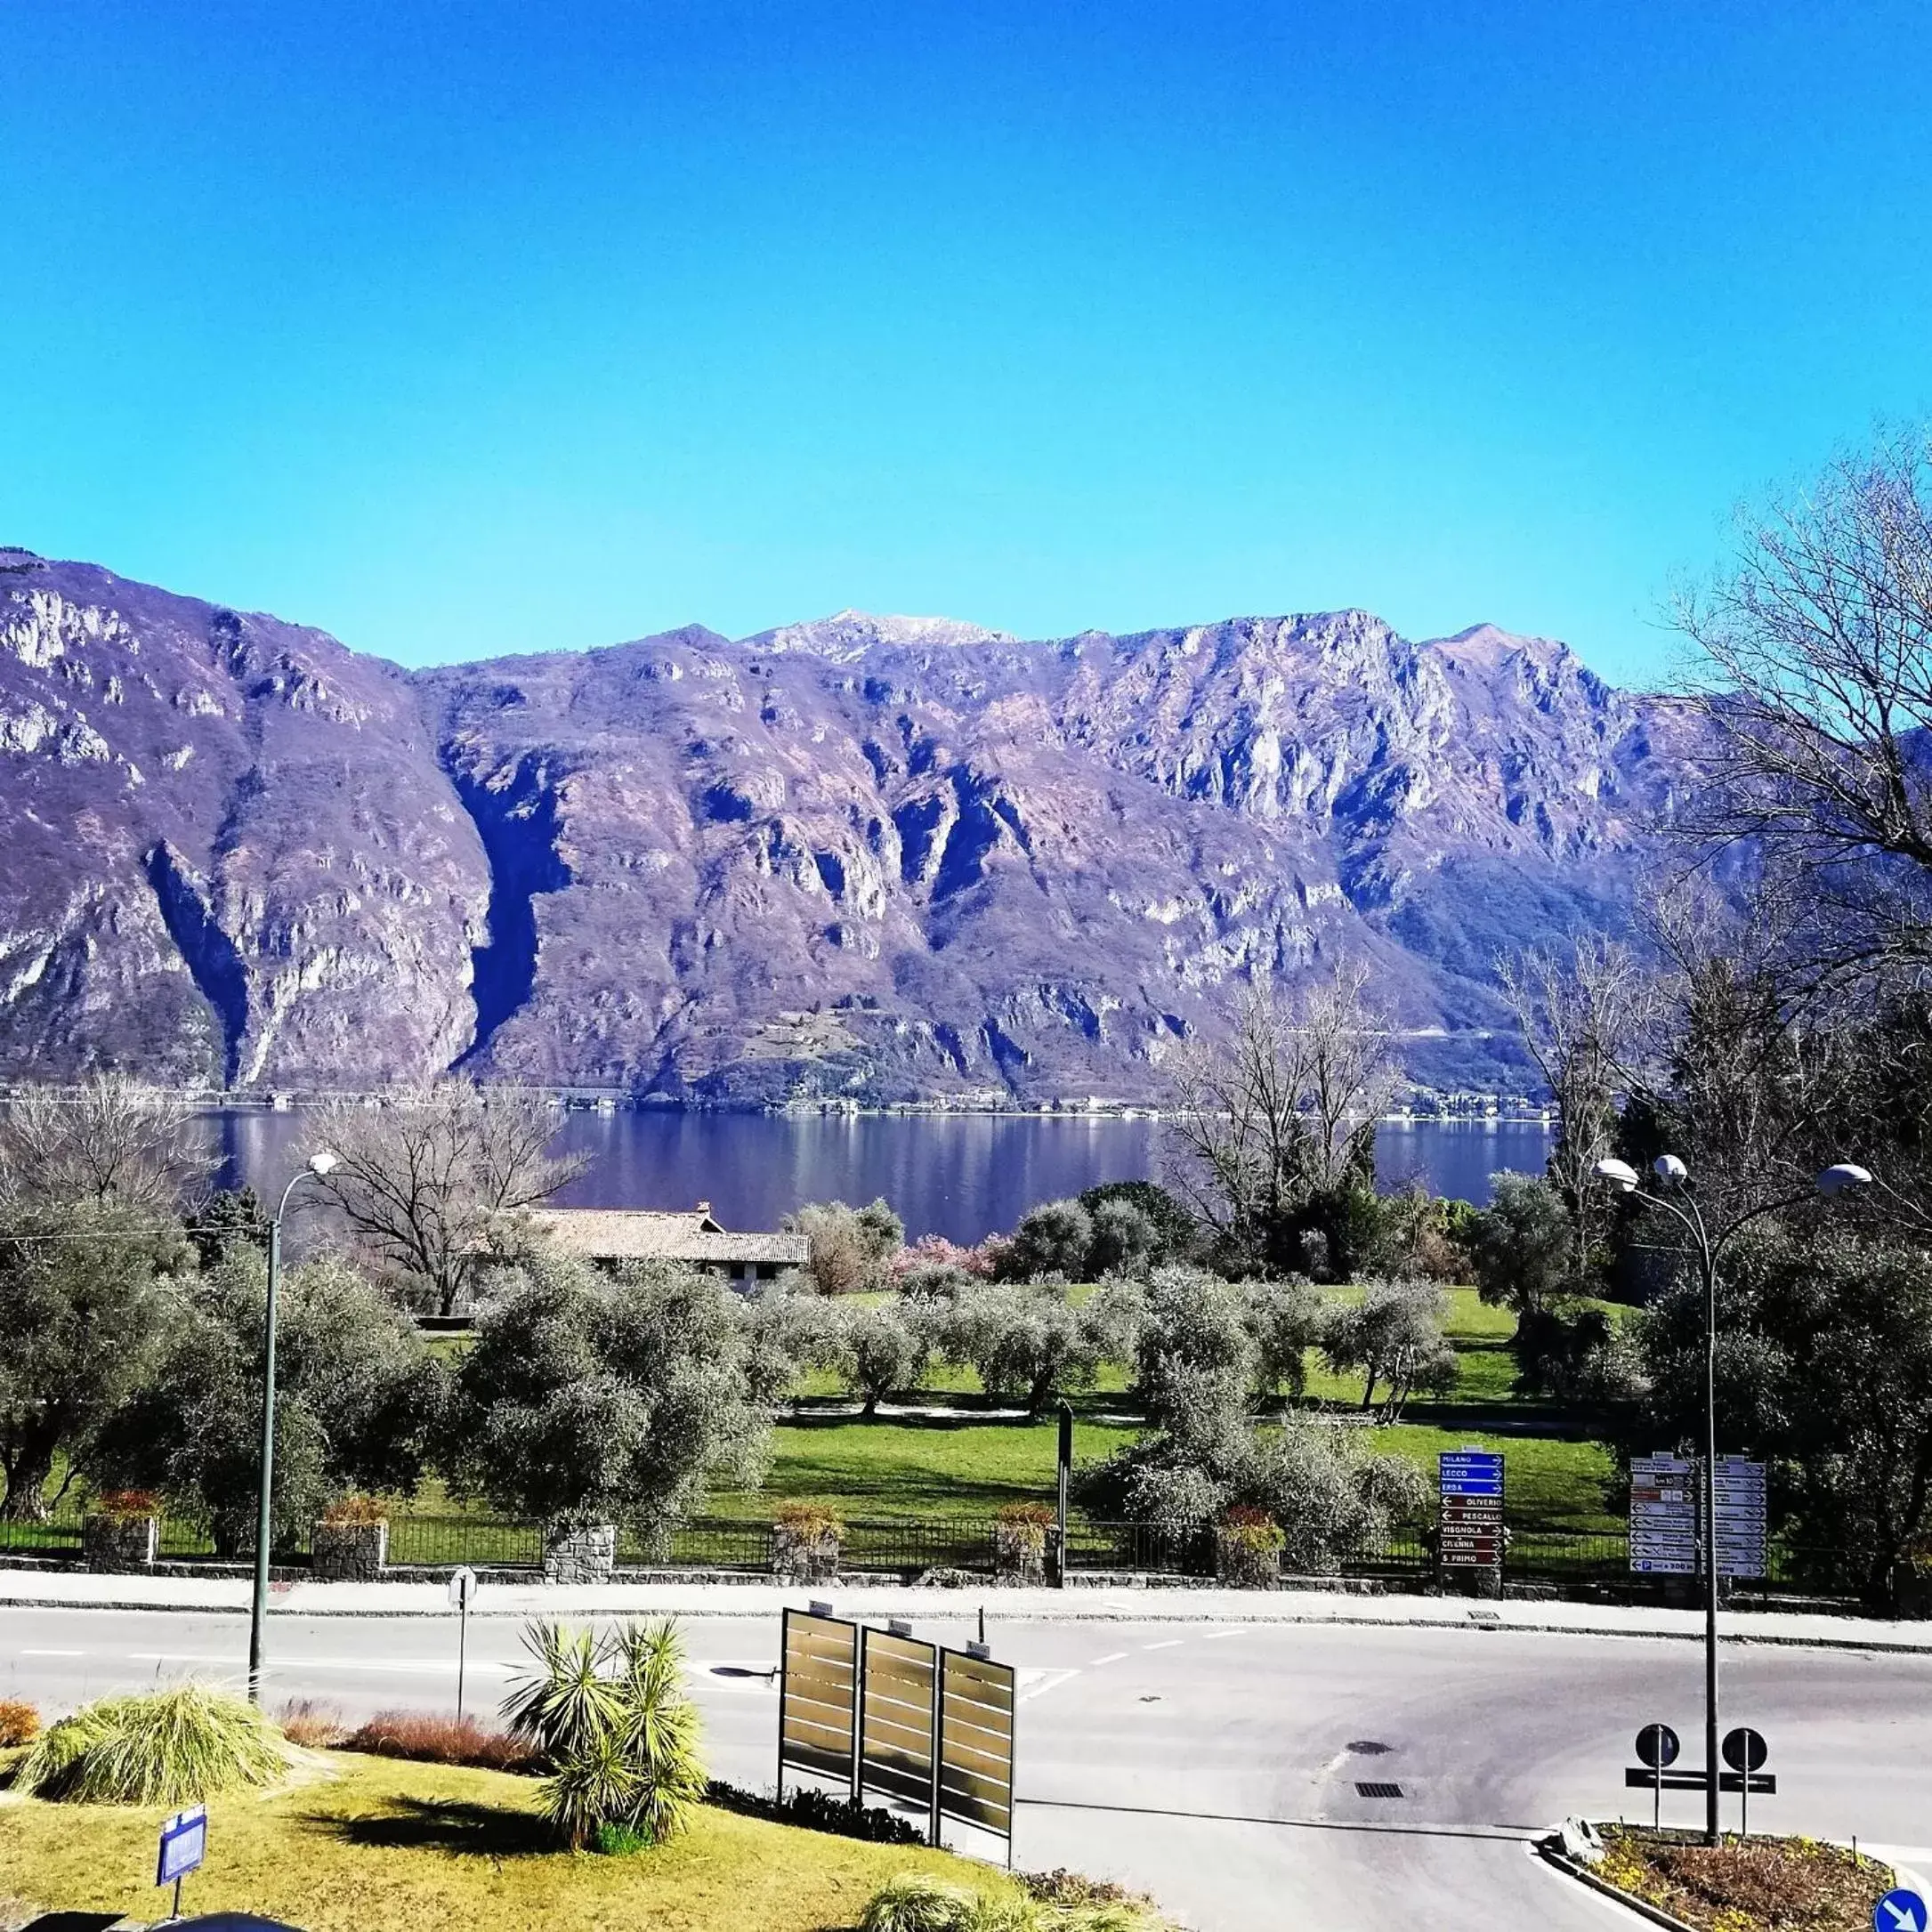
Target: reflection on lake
962, 1175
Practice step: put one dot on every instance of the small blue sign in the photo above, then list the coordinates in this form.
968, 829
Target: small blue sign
1470, 1472
184, 1844
1899, 1912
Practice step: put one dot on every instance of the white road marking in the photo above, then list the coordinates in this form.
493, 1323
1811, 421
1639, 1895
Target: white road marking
1209, 1636
1112, 1656
1172, 1643
386, 1666
1037, 1681
53, 1653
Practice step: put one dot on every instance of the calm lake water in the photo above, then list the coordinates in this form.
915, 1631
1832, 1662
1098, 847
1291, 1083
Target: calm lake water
960, 1176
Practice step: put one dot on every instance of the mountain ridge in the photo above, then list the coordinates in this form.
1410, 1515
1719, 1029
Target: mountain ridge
862, 856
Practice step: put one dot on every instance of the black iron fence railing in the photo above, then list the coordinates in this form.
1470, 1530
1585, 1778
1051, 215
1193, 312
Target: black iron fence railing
909, 1546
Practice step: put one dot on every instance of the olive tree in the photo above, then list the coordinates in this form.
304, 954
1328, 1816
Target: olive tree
1023, 1339
1393, 1336
1285, 1320
587, 1399
357, 1400
876, 1351
1522, 1246
87, 1290
1051, 1240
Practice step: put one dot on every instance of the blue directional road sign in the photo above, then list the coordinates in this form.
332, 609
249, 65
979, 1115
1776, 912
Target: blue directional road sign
1899, 1912
1471, 1472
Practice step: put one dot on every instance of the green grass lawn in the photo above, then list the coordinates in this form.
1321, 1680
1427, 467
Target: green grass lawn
414, 1848
917, 1467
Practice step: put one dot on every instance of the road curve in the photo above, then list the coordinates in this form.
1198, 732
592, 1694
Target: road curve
1219, 1767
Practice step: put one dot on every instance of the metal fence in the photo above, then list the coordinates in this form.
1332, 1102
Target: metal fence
1567, 1561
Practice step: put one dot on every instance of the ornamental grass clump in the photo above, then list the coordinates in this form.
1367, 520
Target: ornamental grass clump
173, 1747
614, 1729
917, 1903
1055, 1902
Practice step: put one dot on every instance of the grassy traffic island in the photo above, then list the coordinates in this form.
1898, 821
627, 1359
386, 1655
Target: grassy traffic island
1741, 1885
354, 1841
591, 1813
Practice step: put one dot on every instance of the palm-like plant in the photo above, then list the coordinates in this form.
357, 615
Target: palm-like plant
614, 1725
564, 1702
662, 1726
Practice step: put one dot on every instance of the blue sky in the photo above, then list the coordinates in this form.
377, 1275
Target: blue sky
463, 329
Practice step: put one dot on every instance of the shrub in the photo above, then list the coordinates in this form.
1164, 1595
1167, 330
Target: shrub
808, 1520
20, 1724
614, 1726
817, 1810
431, 1737
1053, 1238
356, 1509
127, 1505
173, 1747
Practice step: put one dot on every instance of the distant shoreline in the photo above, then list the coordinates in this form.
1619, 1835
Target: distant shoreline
1470, 1110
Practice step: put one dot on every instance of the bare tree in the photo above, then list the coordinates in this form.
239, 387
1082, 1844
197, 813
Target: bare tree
1582, 1020
1817, 691
426, 1179
1283, 1111
112, 1139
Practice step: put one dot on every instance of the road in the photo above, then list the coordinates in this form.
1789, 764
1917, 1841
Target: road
1217, 1768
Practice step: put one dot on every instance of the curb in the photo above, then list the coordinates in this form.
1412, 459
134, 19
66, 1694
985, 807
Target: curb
944, 1603
1644, 1909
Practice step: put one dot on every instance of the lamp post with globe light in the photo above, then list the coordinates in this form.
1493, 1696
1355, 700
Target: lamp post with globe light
320, 1163
1675, 1195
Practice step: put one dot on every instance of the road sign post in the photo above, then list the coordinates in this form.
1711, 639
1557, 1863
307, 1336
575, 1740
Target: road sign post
462, 1588
1656, 1746
1470, 1537
184, 1844
1745, 1751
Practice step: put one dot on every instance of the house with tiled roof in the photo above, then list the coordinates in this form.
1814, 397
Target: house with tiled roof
608, 1236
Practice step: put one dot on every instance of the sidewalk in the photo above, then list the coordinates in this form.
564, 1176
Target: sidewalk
80, 1590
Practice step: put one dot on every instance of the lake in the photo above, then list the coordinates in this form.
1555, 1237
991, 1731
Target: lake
962, 1175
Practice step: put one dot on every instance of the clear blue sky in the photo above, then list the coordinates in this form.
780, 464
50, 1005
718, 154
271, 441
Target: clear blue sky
467, 328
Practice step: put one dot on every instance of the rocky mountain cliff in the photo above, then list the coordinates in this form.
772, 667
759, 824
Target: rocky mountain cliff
865, 856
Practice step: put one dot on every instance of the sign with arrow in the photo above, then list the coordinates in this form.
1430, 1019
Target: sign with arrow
1899, 1912
1471, 1532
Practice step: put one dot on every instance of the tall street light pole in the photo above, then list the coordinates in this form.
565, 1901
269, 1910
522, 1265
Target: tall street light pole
1675, 1194
321, 1162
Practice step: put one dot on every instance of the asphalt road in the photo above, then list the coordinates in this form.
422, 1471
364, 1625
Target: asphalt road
1216, 1767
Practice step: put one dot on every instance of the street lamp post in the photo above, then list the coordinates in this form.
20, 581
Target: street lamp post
1708, 1244
321, 1162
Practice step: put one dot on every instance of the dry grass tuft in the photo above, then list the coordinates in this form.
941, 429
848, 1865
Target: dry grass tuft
311, 1724
430, 1737
20, 1724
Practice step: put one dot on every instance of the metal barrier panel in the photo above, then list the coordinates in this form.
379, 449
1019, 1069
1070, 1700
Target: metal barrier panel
975, 1742
895, 1753
818, 1696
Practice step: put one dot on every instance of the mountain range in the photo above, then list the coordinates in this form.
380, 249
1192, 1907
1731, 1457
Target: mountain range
871, 857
